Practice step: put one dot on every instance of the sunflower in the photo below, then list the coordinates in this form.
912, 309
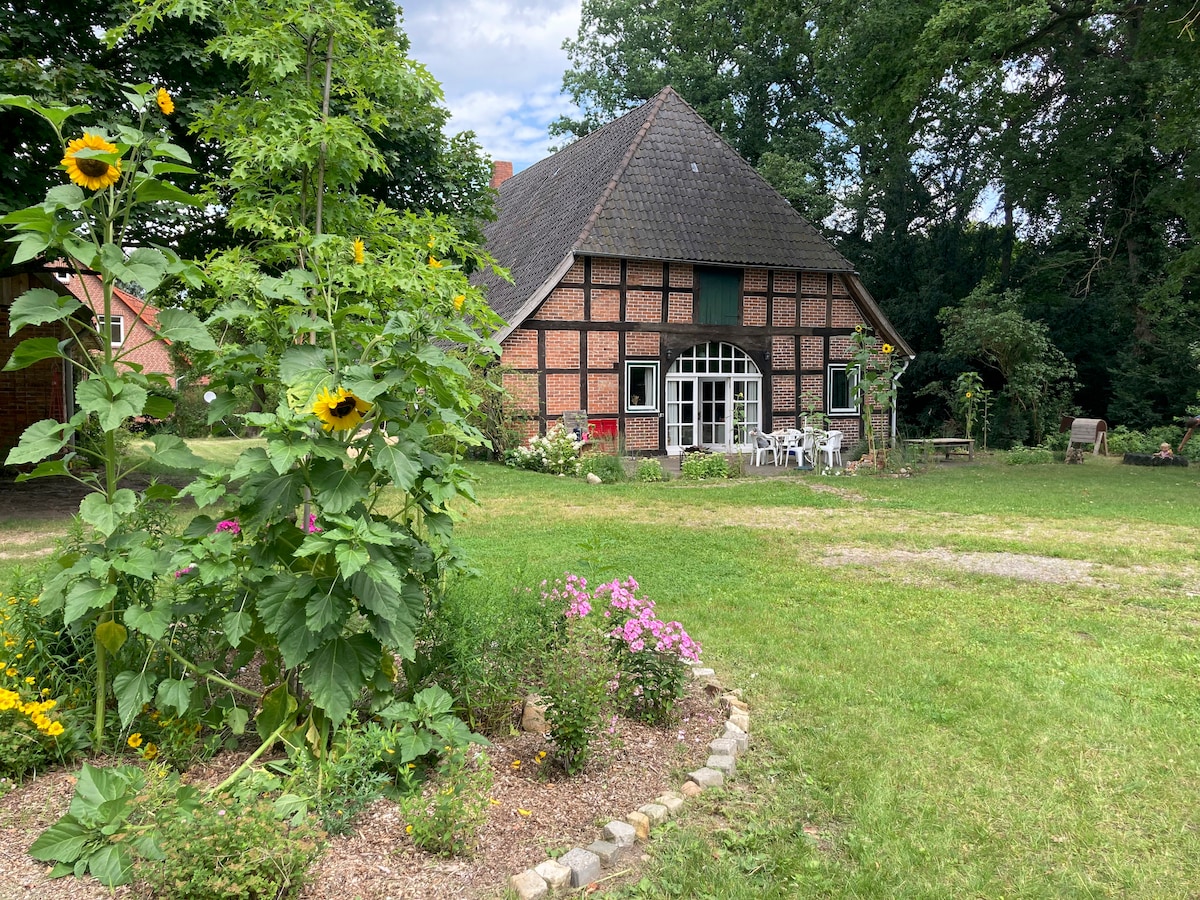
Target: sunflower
91, 172
358, 251
165, 103
341, 410
888, 348
459, 301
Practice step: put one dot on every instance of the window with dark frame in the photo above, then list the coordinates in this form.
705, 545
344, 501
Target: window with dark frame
641, 386
114, 327
840, 382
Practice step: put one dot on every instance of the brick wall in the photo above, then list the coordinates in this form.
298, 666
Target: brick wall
644, 274
641, 433
839, 347
844, 314
813, 284
643, 306
681, 275
783, 352
523, 386
606, 271
839, 287
783, 314
520, 349
602, 394
812, 352
606, 305
562, 394
813, 313
575, 273
679, 307
755, 280
783, 392
562, 349
812, 391
642, 343
785, 282
602, 349
564, 304
754, 310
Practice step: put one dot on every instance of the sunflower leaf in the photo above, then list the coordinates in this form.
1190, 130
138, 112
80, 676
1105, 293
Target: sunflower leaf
39, 306
34, 350
150, 190
112, 400
29, 246
181, 326
41, 439
65, 196
56, 115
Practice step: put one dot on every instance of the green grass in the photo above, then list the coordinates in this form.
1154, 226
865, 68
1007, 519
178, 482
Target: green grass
919, 730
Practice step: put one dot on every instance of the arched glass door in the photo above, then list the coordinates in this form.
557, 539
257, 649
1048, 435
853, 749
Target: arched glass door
714, 399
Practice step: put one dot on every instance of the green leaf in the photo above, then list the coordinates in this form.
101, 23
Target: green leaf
337, 673
101, 793
174, 453
133, 690
158, 407
305, 371
140, 561
29, 246
402, 470
65, 196
48, 468
41, 439
111, 865
61, 842
38, 306
236, 718
55, 115
104, 516
350, 558
325, 609
111, 635
237, 624
87, 594
112, 399
413, 743
150, 190
34, 350
278, 708
180, 325
174, 693
152, 622
337, 489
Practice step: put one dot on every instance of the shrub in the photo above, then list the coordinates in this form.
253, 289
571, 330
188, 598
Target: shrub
650, 470
576, 689
608, 466
556, 452
445, 819
703, 466
229, 848
1028, 456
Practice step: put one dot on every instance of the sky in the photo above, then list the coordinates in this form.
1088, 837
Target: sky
500, 64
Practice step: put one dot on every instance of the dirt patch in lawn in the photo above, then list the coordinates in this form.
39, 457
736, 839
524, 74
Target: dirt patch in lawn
1022, 566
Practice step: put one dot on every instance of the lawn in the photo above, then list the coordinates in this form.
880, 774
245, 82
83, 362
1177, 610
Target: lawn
928, 719
920, 729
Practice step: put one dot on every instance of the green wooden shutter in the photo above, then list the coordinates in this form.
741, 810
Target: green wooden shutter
720, 296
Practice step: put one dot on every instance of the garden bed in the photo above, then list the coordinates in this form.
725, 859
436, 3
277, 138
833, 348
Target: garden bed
537, 811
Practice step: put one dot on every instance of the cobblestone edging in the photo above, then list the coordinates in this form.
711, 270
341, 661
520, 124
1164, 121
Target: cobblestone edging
581, 866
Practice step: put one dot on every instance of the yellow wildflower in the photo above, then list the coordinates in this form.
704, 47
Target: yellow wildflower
55, 729
135, 740
459, 301
151, 751
165, 103
358, 251
435, 263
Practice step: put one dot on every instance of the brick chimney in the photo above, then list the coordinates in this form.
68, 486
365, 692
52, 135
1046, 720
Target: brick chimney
501, 172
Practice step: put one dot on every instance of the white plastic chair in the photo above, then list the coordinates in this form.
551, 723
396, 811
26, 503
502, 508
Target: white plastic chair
831, 448
763, 444
789, 443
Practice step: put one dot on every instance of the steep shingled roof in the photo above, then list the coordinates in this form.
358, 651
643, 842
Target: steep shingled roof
657, 183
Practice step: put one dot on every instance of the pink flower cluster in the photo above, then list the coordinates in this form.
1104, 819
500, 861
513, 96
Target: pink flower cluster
230, 525
639, 627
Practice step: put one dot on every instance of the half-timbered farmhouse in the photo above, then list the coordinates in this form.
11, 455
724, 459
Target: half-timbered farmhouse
662, 288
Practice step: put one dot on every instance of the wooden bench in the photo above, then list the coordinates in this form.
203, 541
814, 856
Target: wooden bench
946, 445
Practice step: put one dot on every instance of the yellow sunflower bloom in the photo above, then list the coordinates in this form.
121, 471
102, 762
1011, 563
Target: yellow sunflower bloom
91, 172
458, 302
358, 251
888, 348
135, 740
165, 103
340, 411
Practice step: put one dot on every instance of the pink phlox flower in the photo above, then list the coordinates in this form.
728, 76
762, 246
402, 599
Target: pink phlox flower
186, 570
313, 527
230, 525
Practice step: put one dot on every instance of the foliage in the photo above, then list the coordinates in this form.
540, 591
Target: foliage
446, 819
971, 398
577, 679
1037, 378
31, 737
704, 466
1028, 456
607, 466
484, 645
876, 365
650, 471
556, 452
232, 846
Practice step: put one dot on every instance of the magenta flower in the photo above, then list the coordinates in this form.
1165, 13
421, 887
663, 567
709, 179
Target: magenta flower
313, 527
230, 525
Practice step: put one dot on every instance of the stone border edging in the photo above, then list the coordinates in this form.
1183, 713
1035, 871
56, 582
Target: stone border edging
579, 867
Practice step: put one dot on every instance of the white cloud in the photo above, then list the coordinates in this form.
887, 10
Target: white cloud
500, 64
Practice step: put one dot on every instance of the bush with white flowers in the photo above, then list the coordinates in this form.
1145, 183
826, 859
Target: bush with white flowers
556, 452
